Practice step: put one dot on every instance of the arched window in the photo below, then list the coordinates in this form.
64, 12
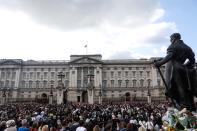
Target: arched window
104, 83
134, 83
30, 84
44, 84
127, 83
37, 84
119, 83
52, 83
112, 83
141, 83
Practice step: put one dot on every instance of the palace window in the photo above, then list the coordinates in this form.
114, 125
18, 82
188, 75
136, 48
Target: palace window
44, 84
31, 75
38, 75
112, 83
52, 75
141, 83
141, 73
134, 73
127, 83
104, 75
37, 84
67, 75
45, 75
24, 75
30, 84
104, 83
119, 74
134, 83
119, 83
112, 74
126, 74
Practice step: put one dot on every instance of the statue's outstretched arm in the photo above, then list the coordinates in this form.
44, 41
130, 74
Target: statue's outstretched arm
164, 60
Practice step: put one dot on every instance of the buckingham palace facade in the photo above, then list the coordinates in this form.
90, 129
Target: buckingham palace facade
83, 78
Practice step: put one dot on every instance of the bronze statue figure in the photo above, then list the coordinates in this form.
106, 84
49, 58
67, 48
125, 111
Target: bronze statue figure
180, 75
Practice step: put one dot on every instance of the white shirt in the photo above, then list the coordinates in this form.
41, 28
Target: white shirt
81, 129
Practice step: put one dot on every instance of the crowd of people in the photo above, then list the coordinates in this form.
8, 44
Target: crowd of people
86, 117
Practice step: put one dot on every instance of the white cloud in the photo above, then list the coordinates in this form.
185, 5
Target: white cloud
48, 29
159, 13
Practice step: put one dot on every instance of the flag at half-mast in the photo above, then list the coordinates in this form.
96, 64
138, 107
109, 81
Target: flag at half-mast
85, 45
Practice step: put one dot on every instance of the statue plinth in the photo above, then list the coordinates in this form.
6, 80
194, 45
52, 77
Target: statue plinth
60, 93
90, 89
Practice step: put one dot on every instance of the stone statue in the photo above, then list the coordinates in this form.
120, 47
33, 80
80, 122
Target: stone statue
180, 75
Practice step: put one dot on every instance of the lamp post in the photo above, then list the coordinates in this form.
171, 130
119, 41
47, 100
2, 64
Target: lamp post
100, 95
90, 88
51, 96
148, 93
60, 87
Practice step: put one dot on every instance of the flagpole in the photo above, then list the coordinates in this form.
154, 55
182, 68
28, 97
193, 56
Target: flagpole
86, 46
87, 49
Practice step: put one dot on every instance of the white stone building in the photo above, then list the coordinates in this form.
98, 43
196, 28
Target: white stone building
88, 78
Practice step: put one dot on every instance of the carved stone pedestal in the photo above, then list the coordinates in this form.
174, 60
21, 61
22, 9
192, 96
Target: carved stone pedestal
90, 96
149, 99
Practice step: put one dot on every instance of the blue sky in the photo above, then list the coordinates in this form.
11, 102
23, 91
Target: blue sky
116, 29
183, 13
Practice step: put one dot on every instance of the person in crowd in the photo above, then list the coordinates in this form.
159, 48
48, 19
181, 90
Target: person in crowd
2, 125
45, 128
75, 123
65, 126
34, 127
11, 126
24, 126
81, 126
122, 126
107, 116
96, 128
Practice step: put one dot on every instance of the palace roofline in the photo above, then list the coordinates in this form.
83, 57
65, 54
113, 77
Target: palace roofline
75, 57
